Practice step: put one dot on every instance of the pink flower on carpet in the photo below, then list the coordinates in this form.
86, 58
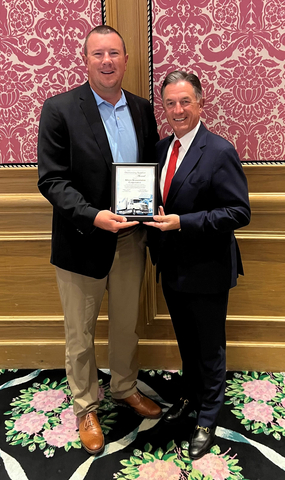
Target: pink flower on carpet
283, 403
60, 436
281, 422
213, 465
101, 394
259, 412
30, 422
259, 390
47, 400
68, 419
159, 470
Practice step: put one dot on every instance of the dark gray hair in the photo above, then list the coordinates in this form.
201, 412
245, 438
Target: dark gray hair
103, 30
180, 76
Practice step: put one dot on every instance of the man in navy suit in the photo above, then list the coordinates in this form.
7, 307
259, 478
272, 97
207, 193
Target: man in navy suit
81, 133
196, 252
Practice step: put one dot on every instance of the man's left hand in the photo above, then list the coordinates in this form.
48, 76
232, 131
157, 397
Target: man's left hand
165, 222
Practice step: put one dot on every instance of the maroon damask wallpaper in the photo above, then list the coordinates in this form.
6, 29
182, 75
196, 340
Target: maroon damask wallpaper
237, 49
40, 55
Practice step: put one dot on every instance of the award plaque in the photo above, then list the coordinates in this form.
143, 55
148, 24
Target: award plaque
134, 190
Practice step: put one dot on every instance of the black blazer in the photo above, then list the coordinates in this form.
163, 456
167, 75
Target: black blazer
209, 192
74, 164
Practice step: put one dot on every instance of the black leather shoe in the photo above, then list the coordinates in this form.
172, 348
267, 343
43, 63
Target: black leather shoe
201, 442
178, 411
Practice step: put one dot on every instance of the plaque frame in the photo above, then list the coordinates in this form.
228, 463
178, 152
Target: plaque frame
135, 190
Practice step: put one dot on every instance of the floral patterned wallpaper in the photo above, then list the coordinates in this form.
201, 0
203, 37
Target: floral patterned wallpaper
237, 49
40, 55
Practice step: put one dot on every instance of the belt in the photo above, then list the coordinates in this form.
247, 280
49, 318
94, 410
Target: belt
127, 230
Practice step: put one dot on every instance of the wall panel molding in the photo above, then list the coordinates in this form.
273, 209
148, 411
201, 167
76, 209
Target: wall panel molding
130, 18
151, 354
31, 321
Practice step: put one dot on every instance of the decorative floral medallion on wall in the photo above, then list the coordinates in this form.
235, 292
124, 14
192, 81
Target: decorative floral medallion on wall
237, 49
41, 44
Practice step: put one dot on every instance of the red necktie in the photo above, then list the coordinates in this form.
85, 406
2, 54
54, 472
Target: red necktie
171, 169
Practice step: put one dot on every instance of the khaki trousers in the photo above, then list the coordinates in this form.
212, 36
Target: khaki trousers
81, 298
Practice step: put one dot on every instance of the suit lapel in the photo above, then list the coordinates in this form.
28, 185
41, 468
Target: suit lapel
162, 154
188, 163
89, 107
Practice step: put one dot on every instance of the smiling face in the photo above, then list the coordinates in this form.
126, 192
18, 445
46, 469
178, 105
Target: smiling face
182, 109
106, 64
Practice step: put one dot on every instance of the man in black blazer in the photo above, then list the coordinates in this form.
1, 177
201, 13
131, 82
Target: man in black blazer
81, 133
196, 252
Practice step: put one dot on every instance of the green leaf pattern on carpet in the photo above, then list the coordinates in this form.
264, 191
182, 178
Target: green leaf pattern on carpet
41, 418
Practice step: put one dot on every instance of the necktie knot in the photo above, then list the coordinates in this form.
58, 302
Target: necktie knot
176, 146
171, 169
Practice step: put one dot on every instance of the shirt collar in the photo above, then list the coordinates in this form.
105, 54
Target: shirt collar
99, 100
187, 139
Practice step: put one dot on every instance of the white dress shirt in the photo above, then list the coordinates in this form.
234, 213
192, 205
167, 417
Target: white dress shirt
185, 141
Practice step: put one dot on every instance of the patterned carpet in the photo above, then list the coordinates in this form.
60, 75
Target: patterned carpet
39, 439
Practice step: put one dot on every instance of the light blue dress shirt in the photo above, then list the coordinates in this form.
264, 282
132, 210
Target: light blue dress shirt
119, 128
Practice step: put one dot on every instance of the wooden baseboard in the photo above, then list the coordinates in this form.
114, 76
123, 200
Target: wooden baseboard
151, 354
253, 343
256, 356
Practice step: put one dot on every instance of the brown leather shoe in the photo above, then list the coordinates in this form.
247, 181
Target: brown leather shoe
142, 405
91, 436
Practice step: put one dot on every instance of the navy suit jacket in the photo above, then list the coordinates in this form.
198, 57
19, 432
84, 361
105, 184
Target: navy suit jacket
74, 164
209, 192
